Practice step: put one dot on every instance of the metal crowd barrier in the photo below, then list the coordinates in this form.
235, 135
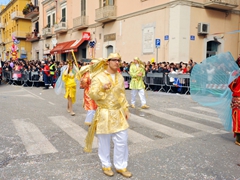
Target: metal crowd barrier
6, 75
155, 79
163, 80
184, 80
20, 76
34, 77
127, 79
12, 77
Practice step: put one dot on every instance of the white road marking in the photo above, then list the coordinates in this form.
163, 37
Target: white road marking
51, 103
185, 122
135, 137
33, 139
196, 115
159, 127
201, 108
34, 95
73, 130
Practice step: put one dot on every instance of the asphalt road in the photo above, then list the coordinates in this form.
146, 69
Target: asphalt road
175, 139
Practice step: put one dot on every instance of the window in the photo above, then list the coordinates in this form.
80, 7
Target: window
49, 21
109, 49
108, 3
36, 2
63, 15
53, 19
36, 27
83, 7
104, 3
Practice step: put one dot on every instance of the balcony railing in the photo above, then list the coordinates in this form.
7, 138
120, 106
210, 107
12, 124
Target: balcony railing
60, 27
17, 15
32, 13
222, 4
2, 26
31, 37
20, 34
47, 32
105, 14
80, 22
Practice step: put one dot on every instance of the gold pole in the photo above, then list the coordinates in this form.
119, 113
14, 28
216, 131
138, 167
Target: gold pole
74, 58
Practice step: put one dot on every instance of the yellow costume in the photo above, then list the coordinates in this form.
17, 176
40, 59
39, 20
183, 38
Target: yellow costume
137, 72
70, 85
137, 81
110, 115
110, 120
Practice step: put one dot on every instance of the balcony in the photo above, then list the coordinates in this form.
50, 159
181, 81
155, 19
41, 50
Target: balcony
31, 13
80, 22
60, 27
32, 37
17, 15
2, 26
47, 32
105, 14
19, 34
222, 4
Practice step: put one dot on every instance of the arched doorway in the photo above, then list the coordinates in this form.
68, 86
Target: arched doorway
212, 48
109, 49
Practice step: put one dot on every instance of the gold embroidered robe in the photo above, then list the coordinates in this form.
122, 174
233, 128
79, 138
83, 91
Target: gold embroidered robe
112, 103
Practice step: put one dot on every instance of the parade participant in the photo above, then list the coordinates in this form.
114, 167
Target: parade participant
110, 120
68, 78
137, 73
85, 82
235, 88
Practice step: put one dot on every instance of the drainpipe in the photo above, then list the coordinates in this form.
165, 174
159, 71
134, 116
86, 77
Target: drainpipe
238, 35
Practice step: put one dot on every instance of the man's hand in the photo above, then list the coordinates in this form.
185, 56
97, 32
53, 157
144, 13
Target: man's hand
140, 74
107, 86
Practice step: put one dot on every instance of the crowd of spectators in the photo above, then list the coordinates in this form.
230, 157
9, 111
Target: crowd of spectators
31, 72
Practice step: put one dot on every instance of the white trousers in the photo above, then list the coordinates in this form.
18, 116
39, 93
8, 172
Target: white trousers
141, 95
89, 117
120, 154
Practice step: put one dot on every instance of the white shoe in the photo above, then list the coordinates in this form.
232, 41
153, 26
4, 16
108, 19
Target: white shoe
50, 87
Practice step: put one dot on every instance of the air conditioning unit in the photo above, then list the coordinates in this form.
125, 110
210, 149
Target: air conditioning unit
46, 45
203, 28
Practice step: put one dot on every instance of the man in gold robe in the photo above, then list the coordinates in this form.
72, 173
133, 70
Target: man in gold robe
137, 73
110, 120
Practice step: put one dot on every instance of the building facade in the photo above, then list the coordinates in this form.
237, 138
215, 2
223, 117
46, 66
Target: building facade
181, 29
15, 26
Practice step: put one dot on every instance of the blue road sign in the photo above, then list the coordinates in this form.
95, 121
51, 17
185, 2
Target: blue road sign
166, 37
192, 38
157, 43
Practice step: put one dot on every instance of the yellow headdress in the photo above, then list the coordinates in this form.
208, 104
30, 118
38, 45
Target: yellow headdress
98, 67
139, 61
114, 55
95, 68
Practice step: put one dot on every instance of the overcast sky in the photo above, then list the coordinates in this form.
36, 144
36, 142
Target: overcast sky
4, 2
